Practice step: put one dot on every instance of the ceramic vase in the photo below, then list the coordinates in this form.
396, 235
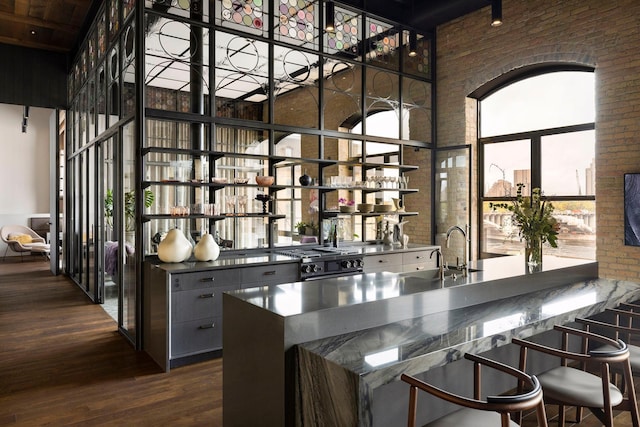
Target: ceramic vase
174, 247
207, 249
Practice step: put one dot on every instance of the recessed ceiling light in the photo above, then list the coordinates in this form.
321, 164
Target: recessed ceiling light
33, 32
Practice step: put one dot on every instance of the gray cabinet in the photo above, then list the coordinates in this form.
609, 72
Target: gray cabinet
402, 261
183, 309
272, 274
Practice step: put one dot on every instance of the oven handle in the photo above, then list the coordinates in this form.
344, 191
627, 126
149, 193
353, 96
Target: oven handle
331, 275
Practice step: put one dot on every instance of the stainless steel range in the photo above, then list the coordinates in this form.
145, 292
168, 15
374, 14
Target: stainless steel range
324, 262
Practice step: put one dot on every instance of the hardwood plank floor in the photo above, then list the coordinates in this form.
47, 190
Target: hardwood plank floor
63, 363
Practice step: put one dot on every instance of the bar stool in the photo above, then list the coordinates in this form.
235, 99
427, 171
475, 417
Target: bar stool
492, 411
572, 386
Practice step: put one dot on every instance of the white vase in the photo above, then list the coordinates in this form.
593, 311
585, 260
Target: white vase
207, 249
174, 247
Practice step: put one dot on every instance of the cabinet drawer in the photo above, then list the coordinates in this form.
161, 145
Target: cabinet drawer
409, 268
386, 262
196, 336
197, 303
271, 274
420, 257
204, 279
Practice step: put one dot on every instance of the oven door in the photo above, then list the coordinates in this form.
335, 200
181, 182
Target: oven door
330, 275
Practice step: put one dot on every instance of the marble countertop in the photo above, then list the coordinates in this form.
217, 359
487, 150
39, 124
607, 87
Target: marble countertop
415, 345
371, 358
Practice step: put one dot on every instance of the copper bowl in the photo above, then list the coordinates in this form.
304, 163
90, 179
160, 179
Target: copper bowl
265, 181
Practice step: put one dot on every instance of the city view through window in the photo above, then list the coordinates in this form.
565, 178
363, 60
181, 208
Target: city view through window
551, 118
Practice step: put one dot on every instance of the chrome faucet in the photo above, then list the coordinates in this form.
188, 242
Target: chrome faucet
440, 260
467, 241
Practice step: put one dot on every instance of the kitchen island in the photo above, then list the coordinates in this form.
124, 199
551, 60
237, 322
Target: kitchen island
289, 340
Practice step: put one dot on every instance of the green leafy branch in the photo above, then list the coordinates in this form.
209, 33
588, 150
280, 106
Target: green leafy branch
533, 216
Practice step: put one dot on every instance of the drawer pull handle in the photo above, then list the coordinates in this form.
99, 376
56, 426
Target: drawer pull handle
211, 295
270, 273
419, 257
382, 261
207, 326
419, 268
207, 279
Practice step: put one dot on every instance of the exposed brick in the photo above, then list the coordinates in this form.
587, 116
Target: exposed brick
471, 53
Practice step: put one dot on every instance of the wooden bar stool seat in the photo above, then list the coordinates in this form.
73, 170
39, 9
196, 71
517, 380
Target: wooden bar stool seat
477, 412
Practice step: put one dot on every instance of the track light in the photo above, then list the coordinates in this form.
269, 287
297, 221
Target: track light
329, 16
496, 13
413, 43
25, 117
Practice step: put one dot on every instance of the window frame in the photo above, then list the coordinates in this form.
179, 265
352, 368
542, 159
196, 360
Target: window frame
535, 144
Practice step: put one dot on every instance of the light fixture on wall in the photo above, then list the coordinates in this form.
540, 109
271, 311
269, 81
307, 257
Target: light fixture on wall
413, 43
496, 13
329, 16
25, 116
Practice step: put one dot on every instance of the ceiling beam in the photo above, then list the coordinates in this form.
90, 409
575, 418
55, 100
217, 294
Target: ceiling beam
71, 29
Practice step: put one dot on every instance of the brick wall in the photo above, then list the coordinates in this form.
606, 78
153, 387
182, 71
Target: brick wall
605, 35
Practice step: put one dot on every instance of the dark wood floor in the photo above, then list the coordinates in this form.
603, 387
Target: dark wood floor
63, 363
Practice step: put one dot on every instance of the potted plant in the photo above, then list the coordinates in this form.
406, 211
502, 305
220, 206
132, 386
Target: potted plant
301, 227
129, 208
534, 218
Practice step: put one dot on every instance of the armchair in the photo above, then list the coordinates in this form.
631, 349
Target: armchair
21, 239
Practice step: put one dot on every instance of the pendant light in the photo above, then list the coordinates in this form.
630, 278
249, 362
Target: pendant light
329, 16
413, 43
496, 13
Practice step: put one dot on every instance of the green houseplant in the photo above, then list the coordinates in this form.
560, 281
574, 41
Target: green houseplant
533, 217
129, 207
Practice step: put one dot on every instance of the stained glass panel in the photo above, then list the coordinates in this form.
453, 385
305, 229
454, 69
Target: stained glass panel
383, 42
347, 35
246, 15
127, 7
91, 48
194, 9
114, 19
418, 65
102, 35
297, 22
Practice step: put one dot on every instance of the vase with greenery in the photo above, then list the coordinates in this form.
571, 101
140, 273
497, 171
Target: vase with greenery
533, 217
129, 207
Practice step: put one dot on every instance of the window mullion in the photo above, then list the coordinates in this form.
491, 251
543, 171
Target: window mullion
536, 162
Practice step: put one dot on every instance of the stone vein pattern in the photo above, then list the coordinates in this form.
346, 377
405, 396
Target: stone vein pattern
434, 340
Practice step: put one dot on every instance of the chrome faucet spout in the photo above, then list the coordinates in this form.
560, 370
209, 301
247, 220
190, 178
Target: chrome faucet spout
467, 241
440, 260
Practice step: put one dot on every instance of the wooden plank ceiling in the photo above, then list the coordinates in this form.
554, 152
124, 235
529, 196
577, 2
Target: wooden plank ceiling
55, 25
52, 25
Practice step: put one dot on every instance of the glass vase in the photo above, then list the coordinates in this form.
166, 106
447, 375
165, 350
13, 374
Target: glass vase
533, 251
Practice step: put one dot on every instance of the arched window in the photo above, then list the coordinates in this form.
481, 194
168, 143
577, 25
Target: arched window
540, 131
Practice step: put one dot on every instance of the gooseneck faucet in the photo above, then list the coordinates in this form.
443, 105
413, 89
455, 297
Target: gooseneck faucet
467, 241
440, 260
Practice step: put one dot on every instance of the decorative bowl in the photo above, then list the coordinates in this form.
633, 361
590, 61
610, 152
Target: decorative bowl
219, 180
240, 180
265, 181
365, 207
382, 208
347, 209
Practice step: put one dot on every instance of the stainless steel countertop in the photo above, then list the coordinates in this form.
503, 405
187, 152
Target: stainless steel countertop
306, 297
253, 258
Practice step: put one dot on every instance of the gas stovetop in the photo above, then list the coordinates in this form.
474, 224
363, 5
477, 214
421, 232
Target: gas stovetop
321, 252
